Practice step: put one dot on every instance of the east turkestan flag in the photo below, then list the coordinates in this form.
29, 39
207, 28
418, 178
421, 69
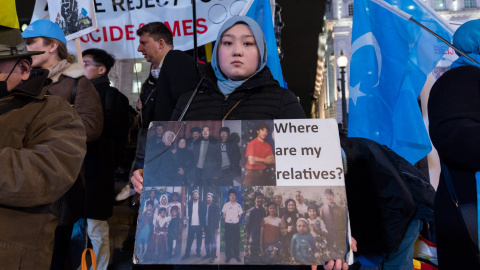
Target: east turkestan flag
390, 60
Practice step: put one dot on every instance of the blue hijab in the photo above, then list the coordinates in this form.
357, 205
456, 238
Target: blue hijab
467, 39
227, 86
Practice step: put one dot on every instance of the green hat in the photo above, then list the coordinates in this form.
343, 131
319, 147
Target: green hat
12, 44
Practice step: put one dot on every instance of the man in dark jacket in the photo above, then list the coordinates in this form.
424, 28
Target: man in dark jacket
253, 220
196, 220
103, 154
212, 223
42, 146
231, 156
174, 72
207, 159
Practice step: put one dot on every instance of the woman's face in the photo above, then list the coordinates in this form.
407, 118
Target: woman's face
163, 200
277, 199
152, 195
182, 143
272, 210
40, 60
238, 54
291, 206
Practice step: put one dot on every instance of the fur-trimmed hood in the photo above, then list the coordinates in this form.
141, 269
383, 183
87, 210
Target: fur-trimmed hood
64, 68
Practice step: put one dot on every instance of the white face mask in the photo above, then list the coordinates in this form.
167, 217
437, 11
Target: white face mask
155, 73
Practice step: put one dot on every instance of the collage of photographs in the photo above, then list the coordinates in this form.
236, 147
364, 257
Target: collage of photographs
215, 188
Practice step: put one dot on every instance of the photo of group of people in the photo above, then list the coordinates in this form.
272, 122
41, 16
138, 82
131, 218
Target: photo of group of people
210, 153
241, 225
210, 197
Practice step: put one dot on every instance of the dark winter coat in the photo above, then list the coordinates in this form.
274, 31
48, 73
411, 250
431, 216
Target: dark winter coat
234, 156
178, 75
42, 145
260, 97
213, 217
454, 115
202, 211
147, 98
213, 158
89, 107
385, 193
102, 154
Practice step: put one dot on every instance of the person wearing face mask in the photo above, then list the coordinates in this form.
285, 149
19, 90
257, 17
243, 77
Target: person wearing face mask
172, 74
42, 146
69, 81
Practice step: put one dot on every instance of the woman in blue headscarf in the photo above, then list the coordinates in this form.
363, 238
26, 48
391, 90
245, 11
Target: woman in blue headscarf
454, 114
238, 84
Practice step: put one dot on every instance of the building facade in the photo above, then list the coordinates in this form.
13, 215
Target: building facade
336, 38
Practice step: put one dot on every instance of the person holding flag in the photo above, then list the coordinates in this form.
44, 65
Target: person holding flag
454, 115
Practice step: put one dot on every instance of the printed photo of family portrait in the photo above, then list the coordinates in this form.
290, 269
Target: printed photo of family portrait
210, 153
304, 225
160, 224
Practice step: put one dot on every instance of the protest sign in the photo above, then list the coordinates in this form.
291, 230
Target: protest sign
75, 17
247, 192
118, 21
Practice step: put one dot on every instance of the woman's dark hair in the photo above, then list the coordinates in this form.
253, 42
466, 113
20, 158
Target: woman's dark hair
286, 205
181, 138
271, 203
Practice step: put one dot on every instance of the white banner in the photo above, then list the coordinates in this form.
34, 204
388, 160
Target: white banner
118, 21
75, 17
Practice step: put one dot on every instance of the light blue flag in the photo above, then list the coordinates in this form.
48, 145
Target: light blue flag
261, 12
391, 58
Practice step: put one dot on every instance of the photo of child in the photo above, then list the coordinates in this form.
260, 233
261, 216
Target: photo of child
160, 223
303, 246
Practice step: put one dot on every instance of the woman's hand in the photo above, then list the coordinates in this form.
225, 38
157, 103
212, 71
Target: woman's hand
339, 264
137, 180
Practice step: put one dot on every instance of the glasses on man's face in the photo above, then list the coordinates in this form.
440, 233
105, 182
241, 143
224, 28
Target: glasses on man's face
87, 63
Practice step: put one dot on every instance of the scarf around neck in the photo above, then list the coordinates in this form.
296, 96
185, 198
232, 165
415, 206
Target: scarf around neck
226, 85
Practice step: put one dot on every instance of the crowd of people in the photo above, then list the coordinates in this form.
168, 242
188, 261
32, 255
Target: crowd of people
66, 129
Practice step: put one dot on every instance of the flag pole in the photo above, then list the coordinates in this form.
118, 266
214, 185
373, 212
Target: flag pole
402, 14
194, 10
444, 41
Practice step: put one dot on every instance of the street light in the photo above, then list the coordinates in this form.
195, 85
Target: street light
342, 62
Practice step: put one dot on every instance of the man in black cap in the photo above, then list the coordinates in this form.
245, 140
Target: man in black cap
42, 146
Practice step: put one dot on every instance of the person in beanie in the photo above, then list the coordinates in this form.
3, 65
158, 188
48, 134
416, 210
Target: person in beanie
42, 146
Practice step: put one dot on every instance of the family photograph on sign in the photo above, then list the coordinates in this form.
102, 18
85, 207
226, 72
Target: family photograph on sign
211, 197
